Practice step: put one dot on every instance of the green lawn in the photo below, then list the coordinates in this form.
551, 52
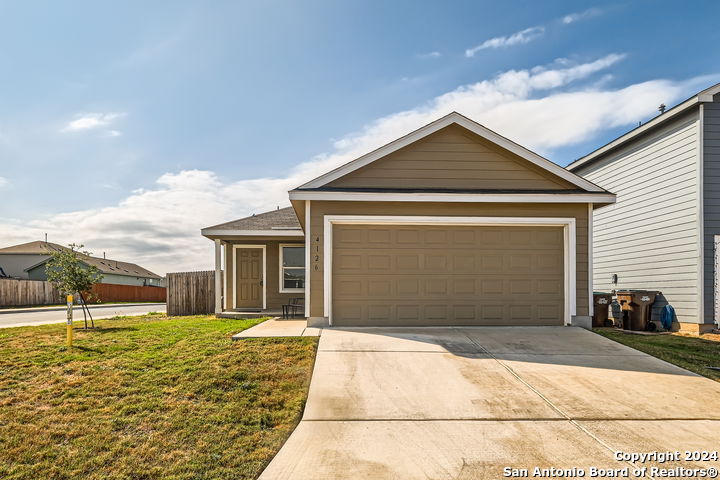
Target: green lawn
692, 353
146, 398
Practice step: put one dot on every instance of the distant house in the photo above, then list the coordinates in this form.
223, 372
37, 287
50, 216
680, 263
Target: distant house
28, 260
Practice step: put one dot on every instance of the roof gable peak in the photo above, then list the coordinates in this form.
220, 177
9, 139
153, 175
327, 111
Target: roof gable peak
442, 122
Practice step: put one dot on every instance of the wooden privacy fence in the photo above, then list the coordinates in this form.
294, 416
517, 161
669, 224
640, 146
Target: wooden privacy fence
191, 293
14, 292
22, 293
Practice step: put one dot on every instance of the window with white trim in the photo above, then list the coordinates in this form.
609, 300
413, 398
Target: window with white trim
292, 268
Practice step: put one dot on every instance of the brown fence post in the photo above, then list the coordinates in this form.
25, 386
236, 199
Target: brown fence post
191, 293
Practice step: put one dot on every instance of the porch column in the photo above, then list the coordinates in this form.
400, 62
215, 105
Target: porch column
218, 276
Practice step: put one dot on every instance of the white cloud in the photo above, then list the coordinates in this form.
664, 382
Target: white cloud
540, 108
4, 182
434, 54
90, 121
574, 17
518, 38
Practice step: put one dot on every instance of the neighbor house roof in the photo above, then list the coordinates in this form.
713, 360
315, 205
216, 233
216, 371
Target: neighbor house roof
281, 222
32, 248
108, 266
701, 97
104, 265
120, 268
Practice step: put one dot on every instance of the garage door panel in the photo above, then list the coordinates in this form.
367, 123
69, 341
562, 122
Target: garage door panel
407, 287
377, 288
521, 287
407, 263
439, 237
346, 262
464, 263
378, 236
407, 236
430, 275
464, 286
379, 263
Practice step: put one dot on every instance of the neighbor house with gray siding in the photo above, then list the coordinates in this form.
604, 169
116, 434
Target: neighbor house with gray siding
27, 261
662, 231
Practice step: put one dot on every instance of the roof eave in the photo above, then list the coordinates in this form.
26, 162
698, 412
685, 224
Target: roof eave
219, 232
584, 197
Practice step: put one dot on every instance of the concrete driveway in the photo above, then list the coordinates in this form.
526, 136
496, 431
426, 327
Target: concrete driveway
464, 403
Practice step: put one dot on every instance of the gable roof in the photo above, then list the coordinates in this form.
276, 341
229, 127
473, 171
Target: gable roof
104, 265
701, 97
32, 248
280, 222
450, 119
107, 266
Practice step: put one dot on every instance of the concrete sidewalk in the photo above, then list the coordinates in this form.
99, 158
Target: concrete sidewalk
464, 403
59, 308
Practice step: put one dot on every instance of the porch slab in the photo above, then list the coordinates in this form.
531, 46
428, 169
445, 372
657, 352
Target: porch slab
278, 327
255, 314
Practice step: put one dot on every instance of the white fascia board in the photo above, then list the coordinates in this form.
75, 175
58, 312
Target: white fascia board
454, 197
251, 233
443, 122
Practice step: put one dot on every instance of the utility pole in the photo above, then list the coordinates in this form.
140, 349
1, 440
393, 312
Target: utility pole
69, 321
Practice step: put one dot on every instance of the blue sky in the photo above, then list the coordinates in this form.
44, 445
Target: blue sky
127, 126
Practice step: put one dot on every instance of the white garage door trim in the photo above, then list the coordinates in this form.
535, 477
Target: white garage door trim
568, 225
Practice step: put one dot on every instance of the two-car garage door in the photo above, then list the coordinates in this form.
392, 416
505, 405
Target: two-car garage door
447, 275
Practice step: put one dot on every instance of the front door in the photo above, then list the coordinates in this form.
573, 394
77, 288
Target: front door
249, 278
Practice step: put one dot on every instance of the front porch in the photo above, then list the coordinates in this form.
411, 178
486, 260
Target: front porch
277, 327
259, 265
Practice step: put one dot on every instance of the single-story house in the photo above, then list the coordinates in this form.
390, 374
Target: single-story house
27, 261
663, 232
451, 224
16, 258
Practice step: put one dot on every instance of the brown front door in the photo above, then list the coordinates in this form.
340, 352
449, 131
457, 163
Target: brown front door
249, 278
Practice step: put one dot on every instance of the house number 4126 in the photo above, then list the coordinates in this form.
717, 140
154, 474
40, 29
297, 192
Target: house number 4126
316, 253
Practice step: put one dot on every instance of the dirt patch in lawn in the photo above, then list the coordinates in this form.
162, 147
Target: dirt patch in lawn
148, 397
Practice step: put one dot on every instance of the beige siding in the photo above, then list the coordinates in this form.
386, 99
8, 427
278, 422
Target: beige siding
649, 238
275, 299
321, 208
452, 158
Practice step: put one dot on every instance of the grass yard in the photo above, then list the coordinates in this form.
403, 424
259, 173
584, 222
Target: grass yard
147, 398
692, 353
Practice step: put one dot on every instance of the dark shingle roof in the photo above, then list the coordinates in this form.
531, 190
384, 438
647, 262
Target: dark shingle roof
33, 248
104, 265
119, 268
281, 219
